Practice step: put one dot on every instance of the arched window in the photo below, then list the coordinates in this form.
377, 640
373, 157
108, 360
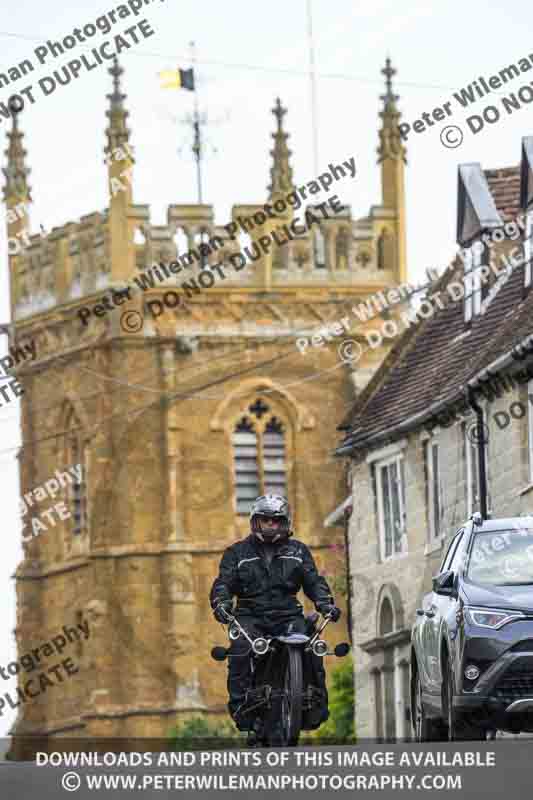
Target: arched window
246, 466
386, 255
181, 241
342, 243
274, 458
319, 249
382, 246
138, 237
77, 485
388, 712
391, 669
386, 618
259, 456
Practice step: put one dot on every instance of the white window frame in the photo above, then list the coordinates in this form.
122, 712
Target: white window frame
472, 282
530, 429
379, 466
528, 250
434, 536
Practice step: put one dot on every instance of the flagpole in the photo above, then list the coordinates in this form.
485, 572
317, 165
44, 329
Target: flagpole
197, 143
313, 85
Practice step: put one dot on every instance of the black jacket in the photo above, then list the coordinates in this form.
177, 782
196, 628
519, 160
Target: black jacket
262, 588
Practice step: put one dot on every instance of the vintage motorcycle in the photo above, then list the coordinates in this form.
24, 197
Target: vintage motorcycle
282, 698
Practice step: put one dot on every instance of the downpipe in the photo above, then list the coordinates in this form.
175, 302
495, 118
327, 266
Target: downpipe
481, 451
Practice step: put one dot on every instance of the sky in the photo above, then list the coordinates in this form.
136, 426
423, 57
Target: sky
247, 55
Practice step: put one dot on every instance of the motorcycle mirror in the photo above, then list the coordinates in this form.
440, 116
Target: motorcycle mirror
341, 649
219, 653
234, 632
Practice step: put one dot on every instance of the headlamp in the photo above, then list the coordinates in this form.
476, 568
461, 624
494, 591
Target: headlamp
493, 618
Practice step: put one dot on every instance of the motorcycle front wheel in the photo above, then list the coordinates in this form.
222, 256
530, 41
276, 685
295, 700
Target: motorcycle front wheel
291, 704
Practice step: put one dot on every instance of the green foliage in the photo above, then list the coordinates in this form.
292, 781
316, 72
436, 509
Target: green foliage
340, 724
197, 733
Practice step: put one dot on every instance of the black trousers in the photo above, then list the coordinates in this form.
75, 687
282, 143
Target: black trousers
239, 676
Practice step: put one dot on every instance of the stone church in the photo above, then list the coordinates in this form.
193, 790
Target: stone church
178, 425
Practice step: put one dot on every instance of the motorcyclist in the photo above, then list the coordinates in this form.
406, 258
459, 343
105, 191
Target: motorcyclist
265, 572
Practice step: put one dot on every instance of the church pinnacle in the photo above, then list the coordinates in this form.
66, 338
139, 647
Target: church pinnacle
390, 145
119, 170
16, 188
281, 171
117, 131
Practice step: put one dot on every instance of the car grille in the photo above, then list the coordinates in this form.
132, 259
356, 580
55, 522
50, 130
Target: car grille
516, 683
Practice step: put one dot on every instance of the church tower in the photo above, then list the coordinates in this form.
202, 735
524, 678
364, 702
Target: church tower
177, 422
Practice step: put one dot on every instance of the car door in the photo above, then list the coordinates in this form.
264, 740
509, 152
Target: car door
436, 611
449, 605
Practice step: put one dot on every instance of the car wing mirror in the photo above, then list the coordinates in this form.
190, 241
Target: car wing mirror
444, 584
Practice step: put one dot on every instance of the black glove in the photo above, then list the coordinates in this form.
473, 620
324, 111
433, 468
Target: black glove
222, 610
327, 609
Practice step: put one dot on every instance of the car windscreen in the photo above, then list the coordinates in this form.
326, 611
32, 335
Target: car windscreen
502, 557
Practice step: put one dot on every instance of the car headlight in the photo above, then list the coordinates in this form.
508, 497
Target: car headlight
492, 617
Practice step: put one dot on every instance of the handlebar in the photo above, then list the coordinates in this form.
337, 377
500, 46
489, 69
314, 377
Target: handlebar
234, 621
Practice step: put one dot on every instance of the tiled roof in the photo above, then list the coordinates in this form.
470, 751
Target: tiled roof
504, 186
432, 361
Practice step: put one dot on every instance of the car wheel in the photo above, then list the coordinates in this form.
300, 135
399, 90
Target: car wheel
424, 729
459, 729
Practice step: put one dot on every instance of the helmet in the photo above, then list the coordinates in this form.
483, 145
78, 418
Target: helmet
274, 506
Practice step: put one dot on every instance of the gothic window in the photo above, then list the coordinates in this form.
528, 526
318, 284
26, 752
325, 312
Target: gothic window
138, 237
246, 466
342, 243
245, 241
24, 294
274, 458
259, 456
301, 257
382, 242
280, 258
100, 252
319, 249
363, 258
142, 249
75, 258
181, 241
76, 474
386, 618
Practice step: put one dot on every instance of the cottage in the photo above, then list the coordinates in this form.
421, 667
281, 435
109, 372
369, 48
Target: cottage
413, 484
